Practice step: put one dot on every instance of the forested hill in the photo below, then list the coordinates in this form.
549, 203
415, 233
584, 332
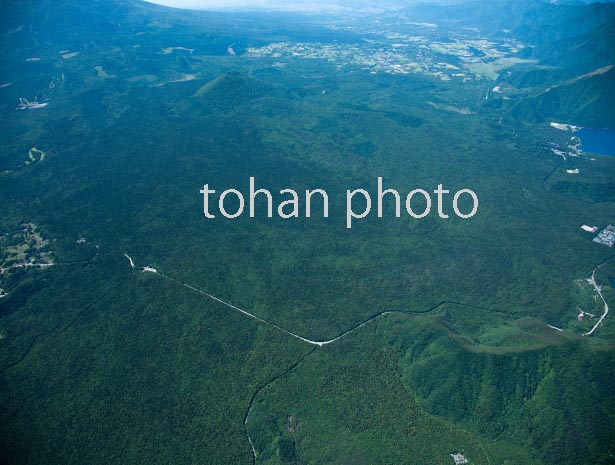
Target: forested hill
568, 43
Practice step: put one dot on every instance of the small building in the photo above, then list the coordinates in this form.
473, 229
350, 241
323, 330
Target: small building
459, 458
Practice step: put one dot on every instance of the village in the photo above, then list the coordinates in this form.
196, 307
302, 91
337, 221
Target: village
465, 57
606, 236
24, 248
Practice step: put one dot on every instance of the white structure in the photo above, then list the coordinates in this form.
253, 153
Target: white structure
459, 458
25, 104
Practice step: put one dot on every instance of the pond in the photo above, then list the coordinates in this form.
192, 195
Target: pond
598, 141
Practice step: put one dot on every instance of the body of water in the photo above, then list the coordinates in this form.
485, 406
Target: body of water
599, 141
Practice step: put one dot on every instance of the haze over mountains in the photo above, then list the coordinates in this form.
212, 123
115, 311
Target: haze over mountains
570, 41
313, 5
572, 46
331, 5
134, 330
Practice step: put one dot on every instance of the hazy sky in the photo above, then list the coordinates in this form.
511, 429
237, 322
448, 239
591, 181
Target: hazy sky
202, 4
273, 4
301, 4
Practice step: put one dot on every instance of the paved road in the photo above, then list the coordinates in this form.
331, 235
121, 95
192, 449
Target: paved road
606, 307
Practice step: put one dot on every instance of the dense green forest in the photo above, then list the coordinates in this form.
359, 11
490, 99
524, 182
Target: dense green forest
456, 335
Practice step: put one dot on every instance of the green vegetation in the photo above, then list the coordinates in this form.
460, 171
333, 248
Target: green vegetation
101, 363
521, 398
231, 90
24, 247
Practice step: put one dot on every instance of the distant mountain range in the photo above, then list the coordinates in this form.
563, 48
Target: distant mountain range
572, 43
330, 4
569, 41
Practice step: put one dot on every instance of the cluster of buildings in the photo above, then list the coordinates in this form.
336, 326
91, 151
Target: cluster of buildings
606, 236
397, 53
573, 144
